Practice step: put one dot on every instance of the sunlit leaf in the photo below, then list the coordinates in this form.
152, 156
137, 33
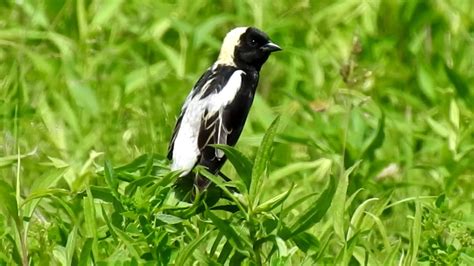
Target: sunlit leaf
187, 252
241, 163
237, 240
261, 161
316, 210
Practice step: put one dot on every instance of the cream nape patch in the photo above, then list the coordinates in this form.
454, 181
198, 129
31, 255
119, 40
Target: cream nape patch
231, 40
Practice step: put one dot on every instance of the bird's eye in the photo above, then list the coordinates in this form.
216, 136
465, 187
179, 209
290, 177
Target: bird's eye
253, 42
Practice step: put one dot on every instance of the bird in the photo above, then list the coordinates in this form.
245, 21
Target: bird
215, 110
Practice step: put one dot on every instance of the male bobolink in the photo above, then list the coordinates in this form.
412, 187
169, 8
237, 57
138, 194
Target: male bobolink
216, 108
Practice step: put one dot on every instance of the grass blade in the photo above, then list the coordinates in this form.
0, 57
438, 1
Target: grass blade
187, 252
237, 240
261, 161
85, 256
9, 205
316, 211
377, 139
338, 205
110, 178
273, 202
357, 218
415, 234
106, 10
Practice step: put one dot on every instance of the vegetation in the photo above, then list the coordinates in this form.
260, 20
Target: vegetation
359, 148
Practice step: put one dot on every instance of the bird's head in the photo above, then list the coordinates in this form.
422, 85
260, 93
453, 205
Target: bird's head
246, 47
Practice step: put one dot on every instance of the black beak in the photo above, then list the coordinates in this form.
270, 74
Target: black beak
270, 47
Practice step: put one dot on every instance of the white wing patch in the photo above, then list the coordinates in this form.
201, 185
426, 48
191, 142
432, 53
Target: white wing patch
219, 100
186, 151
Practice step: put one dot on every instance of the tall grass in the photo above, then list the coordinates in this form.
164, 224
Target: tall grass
358, 149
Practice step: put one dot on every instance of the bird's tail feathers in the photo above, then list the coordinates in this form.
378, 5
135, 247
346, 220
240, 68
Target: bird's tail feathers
189, 186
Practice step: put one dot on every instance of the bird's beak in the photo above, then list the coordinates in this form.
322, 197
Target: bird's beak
270, 47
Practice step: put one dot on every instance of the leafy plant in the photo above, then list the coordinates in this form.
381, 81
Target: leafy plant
369, 163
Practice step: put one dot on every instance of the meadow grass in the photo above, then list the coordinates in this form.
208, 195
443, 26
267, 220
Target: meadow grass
358, 150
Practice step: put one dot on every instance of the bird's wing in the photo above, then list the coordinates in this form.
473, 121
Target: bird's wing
213, 131
215, 125
198, 87
175, 134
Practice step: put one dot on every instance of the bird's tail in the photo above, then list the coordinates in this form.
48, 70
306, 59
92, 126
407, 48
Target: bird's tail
187, 187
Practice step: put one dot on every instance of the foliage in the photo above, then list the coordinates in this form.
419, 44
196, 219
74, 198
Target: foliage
358, 148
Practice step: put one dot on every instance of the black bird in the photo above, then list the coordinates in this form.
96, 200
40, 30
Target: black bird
216, 109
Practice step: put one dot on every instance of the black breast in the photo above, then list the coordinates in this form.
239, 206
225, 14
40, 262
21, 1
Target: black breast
237, 111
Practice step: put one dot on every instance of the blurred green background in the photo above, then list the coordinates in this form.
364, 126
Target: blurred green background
387, 84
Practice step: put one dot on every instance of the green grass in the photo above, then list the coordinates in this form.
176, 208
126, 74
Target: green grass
370, 161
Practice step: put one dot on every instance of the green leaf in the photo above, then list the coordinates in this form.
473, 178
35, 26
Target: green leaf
237, 258
438, 127
426, 83
48, 192
105, 11
82, 19
129, 243
376, 140
461, 86
241, 163
84, 96
261, 161
174, 58
48, 180
393, 256
415, 235
357, 216
11, 159
145, 76
294, 204
216, 243
338, 205
225, 253
58, 163
282, 248
273, 202
187, 252
136, 164
8, 201
346, 253
85, 256
90, 223
218, 181
237, 240
131, 188
71, 245
35, 13
467, 259
382, 230
148, 167
289, 169
110, 178
306, 241
316, 211
454, 114
440, 200
102, 193
169, 219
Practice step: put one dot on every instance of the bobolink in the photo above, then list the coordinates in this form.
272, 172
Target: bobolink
216, 109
